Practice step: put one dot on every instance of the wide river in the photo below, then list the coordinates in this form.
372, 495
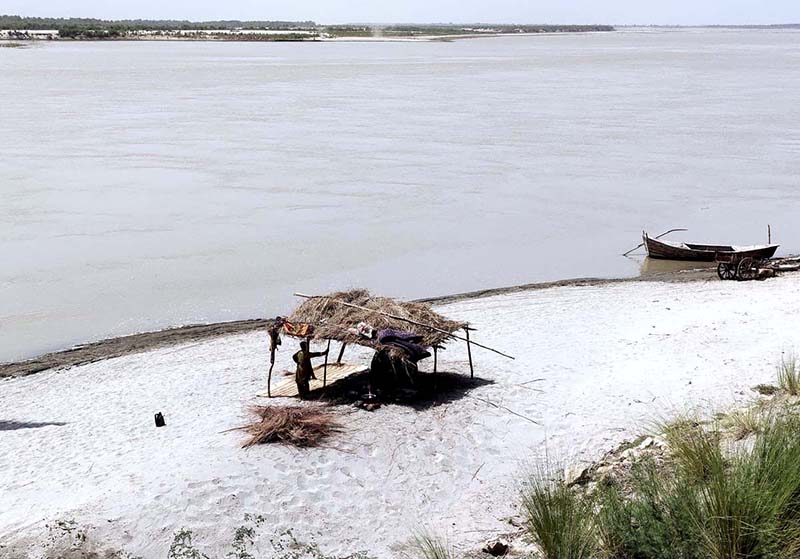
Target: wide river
145, 185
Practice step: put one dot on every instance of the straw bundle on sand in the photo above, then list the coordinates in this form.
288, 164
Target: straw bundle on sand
303, 426
335, 321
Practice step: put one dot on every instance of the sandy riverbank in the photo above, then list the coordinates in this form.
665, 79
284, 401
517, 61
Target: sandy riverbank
594, 364
126, 345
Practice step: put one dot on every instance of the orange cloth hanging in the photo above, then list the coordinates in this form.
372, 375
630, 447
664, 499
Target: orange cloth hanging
302, 330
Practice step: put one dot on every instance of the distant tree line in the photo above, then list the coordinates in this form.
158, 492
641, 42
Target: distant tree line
87, 26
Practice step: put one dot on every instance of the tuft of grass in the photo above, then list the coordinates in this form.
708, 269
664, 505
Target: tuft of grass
749, 506
559, 520
303, 426
429, 546
789, 375
746, 505
695, 449
743, 422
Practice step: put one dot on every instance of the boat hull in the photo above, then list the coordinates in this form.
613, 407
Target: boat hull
704, 253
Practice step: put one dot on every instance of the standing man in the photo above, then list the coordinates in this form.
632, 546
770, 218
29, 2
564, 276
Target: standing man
305, 370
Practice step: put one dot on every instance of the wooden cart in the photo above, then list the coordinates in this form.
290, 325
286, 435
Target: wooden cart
733, 266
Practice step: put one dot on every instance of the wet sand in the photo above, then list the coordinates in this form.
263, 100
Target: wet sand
145, 341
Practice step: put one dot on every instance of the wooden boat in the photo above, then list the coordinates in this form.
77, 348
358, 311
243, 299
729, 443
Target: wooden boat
666, 250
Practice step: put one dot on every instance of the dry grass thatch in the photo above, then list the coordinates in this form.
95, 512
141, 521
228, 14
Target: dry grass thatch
332, 320
303, 426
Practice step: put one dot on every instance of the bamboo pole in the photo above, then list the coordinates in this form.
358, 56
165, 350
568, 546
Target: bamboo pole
308, 342
640, 245
325, 367
435, 357
469, 355
404, 319
341, 353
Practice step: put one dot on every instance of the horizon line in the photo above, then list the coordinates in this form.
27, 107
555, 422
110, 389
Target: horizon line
388, 23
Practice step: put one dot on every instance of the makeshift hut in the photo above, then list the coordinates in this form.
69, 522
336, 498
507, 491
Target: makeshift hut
357, 317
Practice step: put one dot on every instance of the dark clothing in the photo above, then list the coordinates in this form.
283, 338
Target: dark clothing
274, 339
408, 341
390, 371
305, 370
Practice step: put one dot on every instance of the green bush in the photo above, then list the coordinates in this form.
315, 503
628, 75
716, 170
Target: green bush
656, 522
709, 498
714, 503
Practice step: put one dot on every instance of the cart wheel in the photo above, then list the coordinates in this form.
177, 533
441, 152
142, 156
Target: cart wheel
746, 270
725, 271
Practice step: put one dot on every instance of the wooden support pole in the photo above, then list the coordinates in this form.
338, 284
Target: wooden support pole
325, 367
341, 353
269, 377
308, 341
469, 354
435, 369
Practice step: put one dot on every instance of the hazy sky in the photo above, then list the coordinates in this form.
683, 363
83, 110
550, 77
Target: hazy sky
339, 11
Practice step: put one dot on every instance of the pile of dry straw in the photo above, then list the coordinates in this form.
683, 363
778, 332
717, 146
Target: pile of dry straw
303, 426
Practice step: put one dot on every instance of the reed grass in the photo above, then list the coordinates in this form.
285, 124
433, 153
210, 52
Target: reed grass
429, 546
749, 504
695, 448
743, 422
558, 519
789, 375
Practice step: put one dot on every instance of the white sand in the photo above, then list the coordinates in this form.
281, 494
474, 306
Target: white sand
611, 357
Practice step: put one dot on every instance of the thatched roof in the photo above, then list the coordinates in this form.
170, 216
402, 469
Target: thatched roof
333, 320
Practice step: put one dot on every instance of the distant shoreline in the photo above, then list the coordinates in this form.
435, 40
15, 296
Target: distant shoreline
343, 39
83, 29
135, 343
23, 38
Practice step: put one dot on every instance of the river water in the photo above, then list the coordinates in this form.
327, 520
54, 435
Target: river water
144, 185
